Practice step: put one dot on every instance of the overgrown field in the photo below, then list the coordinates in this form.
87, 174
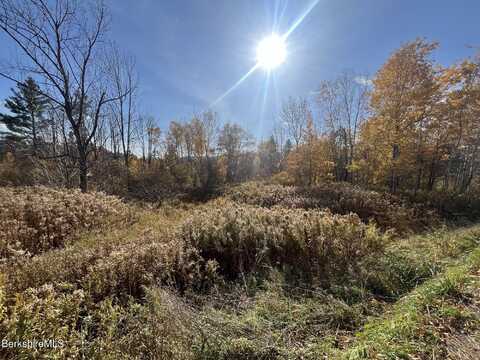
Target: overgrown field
262, 272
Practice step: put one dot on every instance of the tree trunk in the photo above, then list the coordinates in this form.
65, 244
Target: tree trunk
34, 134
394, 177
419, 179
432, 176
82, 165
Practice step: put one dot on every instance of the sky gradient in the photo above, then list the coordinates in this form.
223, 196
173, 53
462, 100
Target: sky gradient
189, 53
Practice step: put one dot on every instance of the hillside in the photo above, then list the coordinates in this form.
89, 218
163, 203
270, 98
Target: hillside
291, 274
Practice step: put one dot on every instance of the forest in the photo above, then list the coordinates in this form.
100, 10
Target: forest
413, 129
350, 232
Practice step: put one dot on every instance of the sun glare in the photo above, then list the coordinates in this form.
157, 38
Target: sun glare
271, 52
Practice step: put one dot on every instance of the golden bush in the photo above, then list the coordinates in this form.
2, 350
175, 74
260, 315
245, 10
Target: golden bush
130, 269
35, 219
245, 238
120, 270
161, 328
44, 314
386, 210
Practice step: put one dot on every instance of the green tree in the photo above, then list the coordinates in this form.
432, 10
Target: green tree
26, 105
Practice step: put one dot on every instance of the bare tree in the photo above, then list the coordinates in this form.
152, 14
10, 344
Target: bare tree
279, 135
294, 115
210, 122
153, 138
61, 42
140, 130
343, 105
232, 142
207, 130
124, 81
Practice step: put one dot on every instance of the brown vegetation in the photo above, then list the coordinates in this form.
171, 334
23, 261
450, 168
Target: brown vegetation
244, 239
336, 237
210, 281
37, 219
386, 210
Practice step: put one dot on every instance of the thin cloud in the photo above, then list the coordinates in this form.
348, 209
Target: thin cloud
363, 80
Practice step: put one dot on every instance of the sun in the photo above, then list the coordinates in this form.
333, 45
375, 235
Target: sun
271, 52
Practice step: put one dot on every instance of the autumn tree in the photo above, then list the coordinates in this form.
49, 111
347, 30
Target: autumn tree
61, 43
294, 116
204, 128
153, 140
311, 162
458, 127
269, 157
402, 99
343, 106
283, 143
232, 143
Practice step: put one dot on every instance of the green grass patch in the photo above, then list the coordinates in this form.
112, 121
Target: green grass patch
412, 325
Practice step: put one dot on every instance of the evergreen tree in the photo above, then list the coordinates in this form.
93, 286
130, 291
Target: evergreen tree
26, 106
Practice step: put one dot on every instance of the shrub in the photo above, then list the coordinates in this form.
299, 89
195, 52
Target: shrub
11, 172
266, 195
120, 270
35, 219
386, 210
161, 328
43, 314
315, 244
131, 268
451, 206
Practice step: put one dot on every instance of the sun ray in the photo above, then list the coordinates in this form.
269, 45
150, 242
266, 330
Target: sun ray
263, 105
300, 19
257, 65
242, 79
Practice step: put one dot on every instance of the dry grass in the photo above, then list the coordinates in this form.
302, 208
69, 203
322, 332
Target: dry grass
387, 211
37, 219
226, 280
317, 245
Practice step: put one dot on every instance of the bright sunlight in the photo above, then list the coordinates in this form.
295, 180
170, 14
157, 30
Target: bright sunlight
271, 52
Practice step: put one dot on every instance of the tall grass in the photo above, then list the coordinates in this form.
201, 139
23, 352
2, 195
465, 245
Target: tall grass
314, 244
36, 219
271, 275
386, 210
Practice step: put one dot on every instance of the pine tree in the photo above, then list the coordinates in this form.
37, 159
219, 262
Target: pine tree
26, 106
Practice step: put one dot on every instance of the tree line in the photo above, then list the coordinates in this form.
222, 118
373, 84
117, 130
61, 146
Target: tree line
75, 120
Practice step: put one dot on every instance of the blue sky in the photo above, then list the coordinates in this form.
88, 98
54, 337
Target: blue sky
190, 52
